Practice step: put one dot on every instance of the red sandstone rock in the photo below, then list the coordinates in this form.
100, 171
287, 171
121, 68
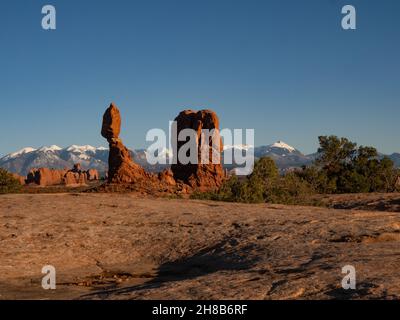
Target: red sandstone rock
92, 175
203, 176
75, 176
76, 167
21, 179
111, 127
46, 177
200, 176
167, 176
121, 167
51, 177
72, 178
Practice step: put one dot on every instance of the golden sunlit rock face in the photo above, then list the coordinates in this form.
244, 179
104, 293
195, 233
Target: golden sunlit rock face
121, 167
202, 176
193, 176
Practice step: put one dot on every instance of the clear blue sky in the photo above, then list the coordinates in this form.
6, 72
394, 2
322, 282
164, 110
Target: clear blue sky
285, 68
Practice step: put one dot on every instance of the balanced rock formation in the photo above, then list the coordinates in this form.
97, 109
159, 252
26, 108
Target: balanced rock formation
121, 167
183, 178
200, 175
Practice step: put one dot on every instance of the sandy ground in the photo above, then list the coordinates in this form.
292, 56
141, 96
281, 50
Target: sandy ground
120, 246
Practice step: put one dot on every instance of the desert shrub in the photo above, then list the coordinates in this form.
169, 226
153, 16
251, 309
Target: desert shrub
259, 184
382, 175
290, 189
343, 168
351, 181
234, 190
265, 169
227, 192
8, 184
263, 185
317, 179
249, 191
340, 168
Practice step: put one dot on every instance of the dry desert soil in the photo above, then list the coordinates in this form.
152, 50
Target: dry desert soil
123, 246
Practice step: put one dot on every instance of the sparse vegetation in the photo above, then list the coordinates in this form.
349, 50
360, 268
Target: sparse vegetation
263, 185
8, 184
341, 167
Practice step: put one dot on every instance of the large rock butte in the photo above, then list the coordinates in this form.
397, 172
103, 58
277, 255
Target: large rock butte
121, 167
201, 176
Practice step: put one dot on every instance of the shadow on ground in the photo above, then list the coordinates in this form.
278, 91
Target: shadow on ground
389, 205
226, 255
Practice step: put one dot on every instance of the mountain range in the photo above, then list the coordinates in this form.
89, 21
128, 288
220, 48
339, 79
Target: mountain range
285, 156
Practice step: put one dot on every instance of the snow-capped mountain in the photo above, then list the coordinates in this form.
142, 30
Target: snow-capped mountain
282, 146
18, 153
59, 158
55, 157
284, 155
278, 148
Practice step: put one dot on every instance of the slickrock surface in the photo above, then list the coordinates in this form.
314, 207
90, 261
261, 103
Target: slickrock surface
120, 246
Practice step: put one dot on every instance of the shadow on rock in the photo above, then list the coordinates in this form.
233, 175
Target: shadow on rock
387, 205
362, 292
226, 255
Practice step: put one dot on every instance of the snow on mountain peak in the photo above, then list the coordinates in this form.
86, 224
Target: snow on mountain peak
238, 146
19, 152
50, 148
80, 149
282, 145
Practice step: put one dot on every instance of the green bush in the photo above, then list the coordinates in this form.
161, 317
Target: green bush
263, 185
8, 184
317, 179
291, 189
340, 168
343, 168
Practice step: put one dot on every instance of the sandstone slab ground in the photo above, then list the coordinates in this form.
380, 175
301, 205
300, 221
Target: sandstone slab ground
121, 246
